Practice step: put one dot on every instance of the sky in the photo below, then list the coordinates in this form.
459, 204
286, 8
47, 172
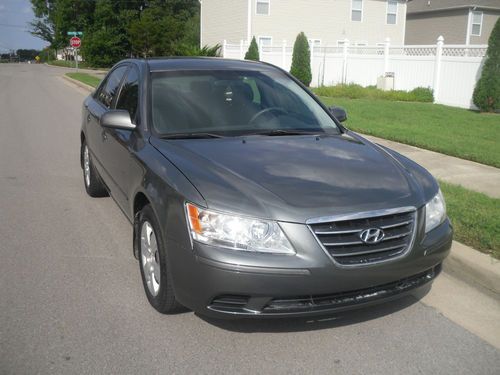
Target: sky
14, 16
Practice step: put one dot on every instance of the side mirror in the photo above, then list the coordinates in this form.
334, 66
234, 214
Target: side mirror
339, 113
117, 119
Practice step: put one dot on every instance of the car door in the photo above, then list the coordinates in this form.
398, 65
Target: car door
101, 102
121, 145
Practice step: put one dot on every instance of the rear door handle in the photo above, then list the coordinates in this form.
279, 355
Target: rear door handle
104, 136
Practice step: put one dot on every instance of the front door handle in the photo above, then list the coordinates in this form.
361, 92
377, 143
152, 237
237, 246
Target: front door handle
88, 117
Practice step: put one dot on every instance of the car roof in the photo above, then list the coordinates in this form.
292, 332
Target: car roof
202, 63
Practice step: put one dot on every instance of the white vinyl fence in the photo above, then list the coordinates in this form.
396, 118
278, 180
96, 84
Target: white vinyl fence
450, 70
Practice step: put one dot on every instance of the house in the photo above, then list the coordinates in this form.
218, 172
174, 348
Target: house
325, 22
458, 21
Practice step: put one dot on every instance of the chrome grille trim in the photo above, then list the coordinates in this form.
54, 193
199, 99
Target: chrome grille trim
360, 215
370, 251
387, 253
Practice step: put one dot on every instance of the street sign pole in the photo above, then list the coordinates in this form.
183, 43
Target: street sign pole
75, 42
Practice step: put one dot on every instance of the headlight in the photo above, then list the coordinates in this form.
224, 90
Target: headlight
435, 212
237, 233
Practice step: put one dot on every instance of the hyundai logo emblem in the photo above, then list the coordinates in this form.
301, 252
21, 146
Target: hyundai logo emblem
372, 236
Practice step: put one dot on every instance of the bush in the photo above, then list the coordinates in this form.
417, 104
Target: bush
353, 91
253, 51
422, 94
487, 91
301, 60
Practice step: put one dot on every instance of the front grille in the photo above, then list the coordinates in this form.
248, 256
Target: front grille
339, 300
341, 238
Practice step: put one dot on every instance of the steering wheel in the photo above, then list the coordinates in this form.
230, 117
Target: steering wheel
267, 110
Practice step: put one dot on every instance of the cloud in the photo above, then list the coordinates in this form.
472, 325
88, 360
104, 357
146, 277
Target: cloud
26, 9
2, 7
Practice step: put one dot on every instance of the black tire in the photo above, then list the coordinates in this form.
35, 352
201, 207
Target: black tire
164, 301
94, 185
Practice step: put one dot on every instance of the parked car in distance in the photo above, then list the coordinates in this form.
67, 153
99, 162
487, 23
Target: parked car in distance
248, 197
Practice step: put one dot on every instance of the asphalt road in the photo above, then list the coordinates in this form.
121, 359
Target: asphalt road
71, 298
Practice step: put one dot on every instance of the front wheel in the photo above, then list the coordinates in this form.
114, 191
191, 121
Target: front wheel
93, 183
156, 278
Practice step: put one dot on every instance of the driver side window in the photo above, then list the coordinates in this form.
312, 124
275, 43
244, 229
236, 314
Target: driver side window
129, 94
110, 87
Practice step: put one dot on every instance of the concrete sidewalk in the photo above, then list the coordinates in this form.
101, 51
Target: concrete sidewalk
469, 174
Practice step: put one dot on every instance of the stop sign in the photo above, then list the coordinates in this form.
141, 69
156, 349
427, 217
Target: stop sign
75, 42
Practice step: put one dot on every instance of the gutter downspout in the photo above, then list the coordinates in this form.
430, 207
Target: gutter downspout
249, 22
469, 25
201, 23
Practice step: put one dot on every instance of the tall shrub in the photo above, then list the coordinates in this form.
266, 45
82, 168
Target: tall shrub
487, 91
253, 51
301, 60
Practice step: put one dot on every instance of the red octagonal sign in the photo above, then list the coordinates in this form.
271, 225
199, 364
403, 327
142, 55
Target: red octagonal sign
75, 42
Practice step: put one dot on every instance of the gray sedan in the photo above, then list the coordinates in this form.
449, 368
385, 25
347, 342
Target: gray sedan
248, 197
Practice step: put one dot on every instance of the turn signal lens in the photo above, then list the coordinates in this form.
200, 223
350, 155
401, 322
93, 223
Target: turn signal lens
194, 218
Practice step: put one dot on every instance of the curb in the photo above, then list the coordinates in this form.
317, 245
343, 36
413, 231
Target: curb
84, 70
473, 267
465, 263
79, 84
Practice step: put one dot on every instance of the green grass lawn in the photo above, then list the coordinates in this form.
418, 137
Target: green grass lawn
85, 78
452, 131
475, 218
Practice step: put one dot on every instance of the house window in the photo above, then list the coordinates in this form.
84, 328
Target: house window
265, 41
477, 21
263, 7
392, 12
357, 10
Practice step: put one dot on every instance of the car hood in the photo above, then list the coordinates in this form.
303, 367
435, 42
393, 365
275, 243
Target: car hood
295, 178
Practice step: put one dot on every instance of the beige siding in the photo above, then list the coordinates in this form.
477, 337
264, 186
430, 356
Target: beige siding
327, 20
425, 5
489, 20
223, 19
427, 27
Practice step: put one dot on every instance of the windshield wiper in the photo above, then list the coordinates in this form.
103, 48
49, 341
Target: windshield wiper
280, 132
191, 136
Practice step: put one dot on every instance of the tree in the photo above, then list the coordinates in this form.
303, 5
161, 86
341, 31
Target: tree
43, 25
105, 42
253, 51
301, 60
487, 91
114, 29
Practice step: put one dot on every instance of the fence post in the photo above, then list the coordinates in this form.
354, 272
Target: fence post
344, 66
241, 50
283, 54
386, 54
311, 49
437, 67
224, 47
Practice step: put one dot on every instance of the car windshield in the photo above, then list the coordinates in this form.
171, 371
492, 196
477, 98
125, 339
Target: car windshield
233, 103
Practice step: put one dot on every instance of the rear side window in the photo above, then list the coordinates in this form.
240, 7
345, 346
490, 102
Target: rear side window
129, 94
110, 87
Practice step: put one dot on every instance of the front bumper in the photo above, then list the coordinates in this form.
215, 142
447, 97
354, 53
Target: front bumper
225, 283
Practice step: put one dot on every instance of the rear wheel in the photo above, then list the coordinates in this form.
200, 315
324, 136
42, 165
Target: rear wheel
93, 183
155, 275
